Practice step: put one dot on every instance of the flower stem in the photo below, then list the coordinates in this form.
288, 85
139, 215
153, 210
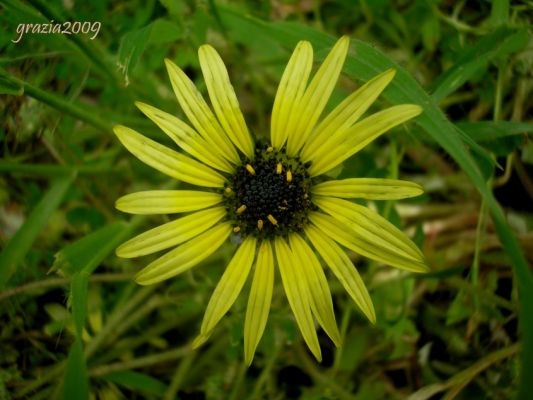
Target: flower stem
179, 376
57, 102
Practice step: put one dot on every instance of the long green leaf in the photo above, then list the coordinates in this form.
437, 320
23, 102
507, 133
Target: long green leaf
80, 259
76, 383
78, 299
364, 62
137, 381
52, 170
484, 131
88, 252
499, 43
83, 113
21, 242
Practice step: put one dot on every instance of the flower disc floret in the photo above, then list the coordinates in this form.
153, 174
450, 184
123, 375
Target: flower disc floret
270, 195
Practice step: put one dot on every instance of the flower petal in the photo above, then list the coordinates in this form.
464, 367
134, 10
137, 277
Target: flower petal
344, 234
171, 233
166, 201
224, 100
359, 135
230, 284
344, 115
321, 303
168, 161
344, 270
303, 119
259, 300
199, 113
185, 256
370, 225
200, 340
186, 137
368, 188
290, 91
297, 293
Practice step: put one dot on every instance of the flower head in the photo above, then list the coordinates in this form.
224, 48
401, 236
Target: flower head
271, 194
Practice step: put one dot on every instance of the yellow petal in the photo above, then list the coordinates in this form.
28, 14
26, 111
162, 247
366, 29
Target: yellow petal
359, 135
185, 256
230, 284
321, 303
171, 233
168, 161
290, 91
368, 188
199, 113
344, 234
259, 300
200, 340
224, 100
370, 225
303, 119
186, 137
297, 293
343, 116
343, 269
166, 201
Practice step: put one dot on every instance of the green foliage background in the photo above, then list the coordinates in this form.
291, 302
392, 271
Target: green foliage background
74, 325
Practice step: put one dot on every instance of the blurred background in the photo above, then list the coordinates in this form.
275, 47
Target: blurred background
74, 325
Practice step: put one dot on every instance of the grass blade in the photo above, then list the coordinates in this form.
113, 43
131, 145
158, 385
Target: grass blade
76, 383
137, 381
86, 254
21, 242
57, 102
484, 131
499, 43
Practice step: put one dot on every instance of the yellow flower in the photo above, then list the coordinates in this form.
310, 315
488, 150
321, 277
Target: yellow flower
270, 194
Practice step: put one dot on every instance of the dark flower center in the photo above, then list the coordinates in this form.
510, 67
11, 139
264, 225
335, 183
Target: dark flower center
269, 196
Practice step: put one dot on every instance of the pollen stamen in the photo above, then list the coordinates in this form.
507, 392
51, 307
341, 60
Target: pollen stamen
250, 169
279, 168
237, 229
260, 224
270, 149
289, 175
241, 209
228, 190
272, 220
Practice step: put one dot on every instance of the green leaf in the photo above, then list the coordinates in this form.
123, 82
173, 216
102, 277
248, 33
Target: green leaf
78, 299
133, 44
52, 170
485, 131
9, 85
82, 112
87, 253
164, 31
460, 309
499, 43
430, 32
353, 355
16, 249
76, 384
363, 62
499, 13
137, 381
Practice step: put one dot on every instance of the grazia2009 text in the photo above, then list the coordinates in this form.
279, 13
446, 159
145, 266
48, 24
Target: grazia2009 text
64, 28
